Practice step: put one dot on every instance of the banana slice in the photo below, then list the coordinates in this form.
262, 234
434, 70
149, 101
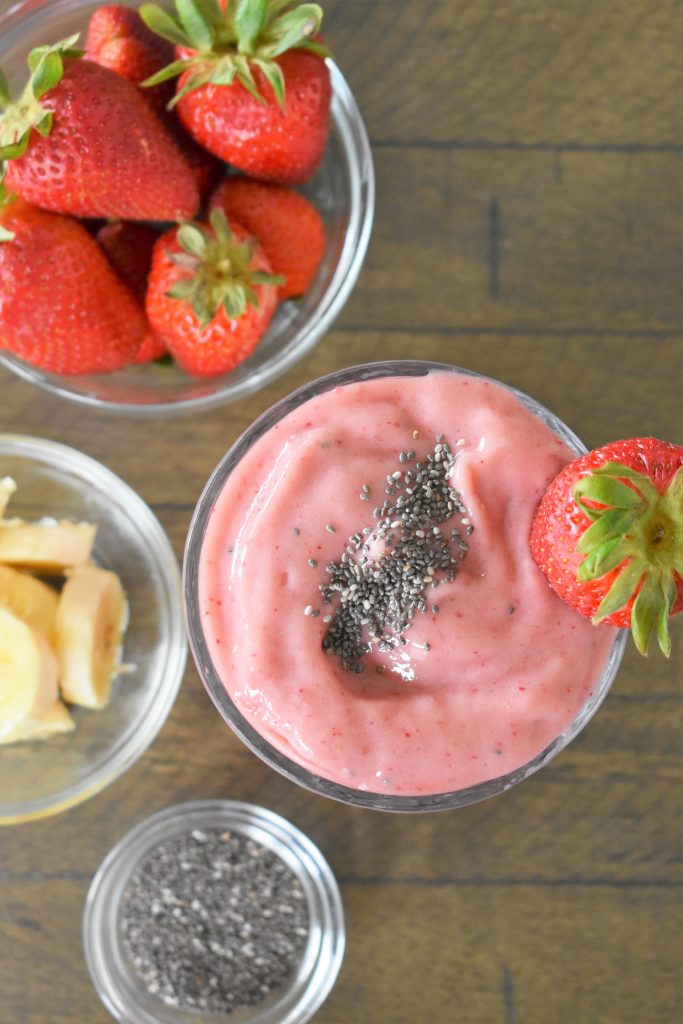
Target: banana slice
92, 615
57, 719
7, 489
31, 600
28, 673
45, 547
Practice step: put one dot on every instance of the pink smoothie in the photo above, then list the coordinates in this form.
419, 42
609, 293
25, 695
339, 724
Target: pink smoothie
484, 682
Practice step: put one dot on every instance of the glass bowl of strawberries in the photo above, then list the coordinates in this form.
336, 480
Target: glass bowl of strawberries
186, 198
92, 644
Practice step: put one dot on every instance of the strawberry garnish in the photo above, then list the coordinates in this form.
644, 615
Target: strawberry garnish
63, 308
83, 140
253, 88
211, 294
608, 534
286, 224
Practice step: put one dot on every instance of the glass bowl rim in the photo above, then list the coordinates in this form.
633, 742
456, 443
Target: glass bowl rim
327, 931
231, 714
138, 737
347, 122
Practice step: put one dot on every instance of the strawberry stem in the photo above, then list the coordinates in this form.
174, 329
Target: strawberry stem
639, 532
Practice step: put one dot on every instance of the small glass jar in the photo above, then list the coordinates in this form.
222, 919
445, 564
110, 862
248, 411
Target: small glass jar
232, 714
113, 975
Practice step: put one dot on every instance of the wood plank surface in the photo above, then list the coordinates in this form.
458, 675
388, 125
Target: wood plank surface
528, 226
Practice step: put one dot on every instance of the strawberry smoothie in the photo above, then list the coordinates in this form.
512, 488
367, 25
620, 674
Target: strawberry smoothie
463, 673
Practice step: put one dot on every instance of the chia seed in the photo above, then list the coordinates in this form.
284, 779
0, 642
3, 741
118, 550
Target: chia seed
213, 921
377, 596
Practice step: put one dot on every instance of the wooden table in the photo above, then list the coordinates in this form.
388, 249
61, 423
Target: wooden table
528, 225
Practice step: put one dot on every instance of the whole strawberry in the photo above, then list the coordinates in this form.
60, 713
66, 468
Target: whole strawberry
118, 39
254, 88
83, 140
608, 534
287, 225
211, 295
62, 307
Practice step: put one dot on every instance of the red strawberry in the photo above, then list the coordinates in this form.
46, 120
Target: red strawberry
288, 227
254, 88
128, 246
211, 295
82, 140
62, 307
608, 534
118, 39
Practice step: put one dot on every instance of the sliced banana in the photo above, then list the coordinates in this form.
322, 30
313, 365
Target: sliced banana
29, 599
47, 547
28, 673
7, 489
92, 615
57, 719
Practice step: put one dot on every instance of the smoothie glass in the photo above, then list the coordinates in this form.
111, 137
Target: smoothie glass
228, 709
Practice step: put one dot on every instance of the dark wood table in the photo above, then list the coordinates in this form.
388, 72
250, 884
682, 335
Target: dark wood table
528, 226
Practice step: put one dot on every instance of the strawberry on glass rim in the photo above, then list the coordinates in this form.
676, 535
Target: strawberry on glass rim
608, 534
253, 85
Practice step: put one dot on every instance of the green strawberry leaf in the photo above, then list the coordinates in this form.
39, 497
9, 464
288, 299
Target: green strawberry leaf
645, 612
602, 559
617, 470
293, 28
245, 76
621, 591
160, 22
198, 28
669, 595
48, 74
182, 289
249, 19
170, 71
612, 522
223, 73
273, 75
5, 96
192, 239
605, 490
235, 302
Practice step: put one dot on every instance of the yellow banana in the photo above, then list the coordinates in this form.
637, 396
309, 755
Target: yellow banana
28, 673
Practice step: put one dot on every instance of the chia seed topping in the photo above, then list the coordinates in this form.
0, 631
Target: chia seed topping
378, 595
214, 921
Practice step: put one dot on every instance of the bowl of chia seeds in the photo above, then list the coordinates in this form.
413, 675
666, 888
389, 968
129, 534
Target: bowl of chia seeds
214, 911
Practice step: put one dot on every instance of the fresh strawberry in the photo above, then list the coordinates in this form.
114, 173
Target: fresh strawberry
118, 39
288, 227
608, 534
211, 295
62, 307
82, 140
254, 88
128, 246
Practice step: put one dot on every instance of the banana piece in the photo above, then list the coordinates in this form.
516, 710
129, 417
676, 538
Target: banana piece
28, 673
47, 547
7, 489
92, 615
57, 719
31, 600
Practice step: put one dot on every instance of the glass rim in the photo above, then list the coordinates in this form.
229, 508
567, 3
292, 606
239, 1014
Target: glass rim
138, 736
218, 693
347, 122
320, 961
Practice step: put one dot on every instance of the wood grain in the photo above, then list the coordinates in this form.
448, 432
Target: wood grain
528, 227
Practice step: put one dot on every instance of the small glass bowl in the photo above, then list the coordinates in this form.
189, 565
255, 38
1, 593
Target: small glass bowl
342, 190
120, 988
219, 694
43, 777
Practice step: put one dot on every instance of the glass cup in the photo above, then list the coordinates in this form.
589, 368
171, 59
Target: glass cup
227, 708
342, 190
